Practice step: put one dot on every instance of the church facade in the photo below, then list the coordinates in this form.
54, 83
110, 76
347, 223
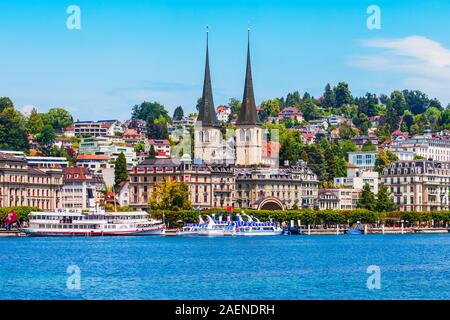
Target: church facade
227, 169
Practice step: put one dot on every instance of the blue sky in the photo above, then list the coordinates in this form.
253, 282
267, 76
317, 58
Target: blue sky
130, 51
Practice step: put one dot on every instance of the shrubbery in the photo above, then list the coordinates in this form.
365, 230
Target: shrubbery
314, 217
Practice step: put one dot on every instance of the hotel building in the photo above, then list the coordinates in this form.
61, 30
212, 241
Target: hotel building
419, 185
23, 185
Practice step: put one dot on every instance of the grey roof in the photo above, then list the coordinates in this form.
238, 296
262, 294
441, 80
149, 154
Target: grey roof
6, 157
248, 114
207, 112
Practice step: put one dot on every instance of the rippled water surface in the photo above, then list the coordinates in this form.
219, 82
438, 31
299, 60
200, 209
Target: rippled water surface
284, 267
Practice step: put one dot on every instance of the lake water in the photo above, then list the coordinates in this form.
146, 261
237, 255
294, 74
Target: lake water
283, 267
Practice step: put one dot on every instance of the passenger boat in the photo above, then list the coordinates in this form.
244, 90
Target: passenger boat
93, 223
213, 228
252, 227
192, 229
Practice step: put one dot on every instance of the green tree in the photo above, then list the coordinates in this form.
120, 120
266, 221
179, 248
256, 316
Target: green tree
170, 195
367, 199
46, 139
120, 170
384, 160
152, 152
395, 107
139, 147
368, 146
13, 132
58, 118
346, 147
178, 113
416, 101
329, 99
346, 132
384, 202
293, 99
309, 109
5, 102
270, 108
235, 105
34, 122
342, 94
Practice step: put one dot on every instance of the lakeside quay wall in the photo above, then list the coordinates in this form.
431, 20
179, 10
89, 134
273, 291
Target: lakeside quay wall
439, 219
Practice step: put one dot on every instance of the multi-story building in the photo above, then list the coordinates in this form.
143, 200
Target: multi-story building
97, 128
286, 188
161, 147
338, 198
357, 179
104, 146
209, 186
359, 141
427, 146
131, 136
23, 185
99, 164
363, 160
419, 185
77, 181
291, 113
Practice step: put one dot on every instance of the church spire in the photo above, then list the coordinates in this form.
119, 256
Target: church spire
207, 112
248, 114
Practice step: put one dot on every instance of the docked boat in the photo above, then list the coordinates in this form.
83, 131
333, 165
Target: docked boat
192, 229
358, 230
213, 228
93, 223
252, 227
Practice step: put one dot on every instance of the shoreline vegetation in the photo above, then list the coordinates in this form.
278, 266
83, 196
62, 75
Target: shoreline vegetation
324, 218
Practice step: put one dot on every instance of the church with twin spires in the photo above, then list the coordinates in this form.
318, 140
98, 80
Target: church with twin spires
243, 149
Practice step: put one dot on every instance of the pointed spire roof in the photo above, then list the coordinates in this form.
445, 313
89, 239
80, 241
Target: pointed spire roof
207, 112
248, 114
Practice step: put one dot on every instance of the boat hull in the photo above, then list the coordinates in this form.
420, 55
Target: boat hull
93, 233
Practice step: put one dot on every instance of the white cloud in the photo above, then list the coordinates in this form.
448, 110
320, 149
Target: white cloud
26, 110
422, 62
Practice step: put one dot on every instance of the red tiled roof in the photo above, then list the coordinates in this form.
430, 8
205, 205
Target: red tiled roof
158, 142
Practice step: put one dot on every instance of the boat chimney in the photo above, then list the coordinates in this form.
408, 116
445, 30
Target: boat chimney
91, 200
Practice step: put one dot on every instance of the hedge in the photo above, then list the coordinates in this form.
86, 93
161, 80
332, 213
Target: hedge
314, 217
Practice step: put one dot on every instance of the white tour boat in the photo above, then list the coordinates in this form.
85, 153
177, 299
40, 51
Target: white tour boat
213, 228
96, 222
252, 228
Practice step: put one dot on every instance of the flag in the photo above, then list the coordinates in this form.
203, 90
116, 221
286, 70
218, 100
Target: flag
10, 217
228, 217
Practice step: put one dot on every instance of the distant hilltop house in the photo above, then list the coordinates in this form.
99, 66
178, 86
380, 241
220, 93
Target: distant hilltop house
131, 136
308, 138
223, 113
290, 113
375, 120
97, 128
105, 146
161, 147
359, 141
399, 136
